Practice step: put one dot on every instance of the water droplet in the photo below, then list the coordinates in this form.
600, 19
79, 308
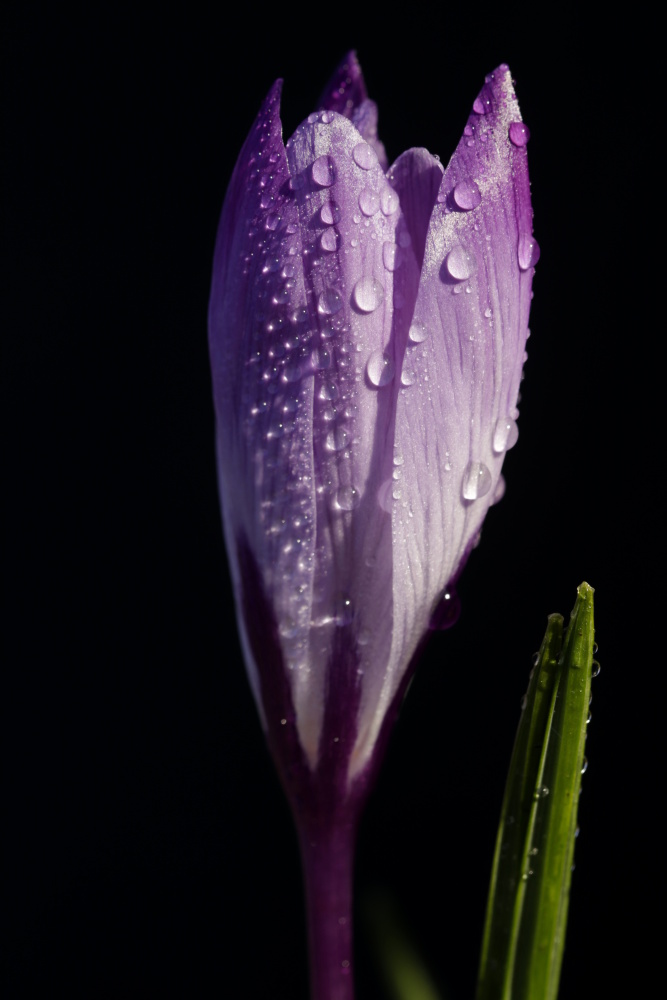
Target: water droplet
529, 251
328, 390
364, 156
380, 369
272, 221
479, 105
343, 616
596, 669
505, 435
408, 377
499, 491
321, 358
327, 117
337, 439
418, 332
329, 240
447, 611
313, 117
330, 213
519, 133
476, 481
323, 171
369, 201
368, 294
467, 195
329, 302
388, 201
540, 793
384, 496
404, 239
488, 313
391, 256
348, 497
271, 265
460, 264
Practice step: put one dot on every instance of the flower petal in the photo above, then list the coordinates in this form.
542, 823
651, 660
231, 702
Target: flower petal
346, 94
456, 417
260, 357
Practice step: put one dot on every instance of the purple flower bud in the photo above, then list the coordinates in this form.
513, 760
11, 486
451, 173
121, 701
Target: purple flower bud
367, 333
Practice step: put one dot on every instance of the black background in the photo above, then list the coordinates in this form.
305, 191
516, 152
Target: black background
147, 844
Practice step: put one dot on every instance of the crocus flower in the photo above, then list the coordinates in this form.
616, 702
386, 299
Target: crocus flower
367, 332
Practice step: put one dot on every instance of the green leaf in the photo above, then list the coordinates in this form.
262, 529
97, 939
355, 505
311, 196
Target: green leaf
524, 933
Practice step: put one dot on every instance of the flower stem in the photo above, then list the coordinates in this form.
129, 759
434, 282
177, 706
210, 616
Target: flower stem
327, 856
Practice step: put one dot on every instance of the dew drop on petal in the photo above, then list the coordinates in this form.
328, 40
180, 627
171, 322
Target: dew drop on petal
388, 201
467, 195
321, 358
328, 390
460, 264
519, 133
329, 302
529, 251
408, 377
368, 294
323, 171
327, 117
348, 497
337, 439
364, 156
476, 481
505, 435
499, 491
391, 256
380, 369
369, 201
330, 213
418, 332
329, 240
478, 106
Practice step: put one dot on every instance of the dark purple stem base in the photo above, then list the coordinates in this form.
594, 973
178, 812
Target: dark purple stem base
328, 857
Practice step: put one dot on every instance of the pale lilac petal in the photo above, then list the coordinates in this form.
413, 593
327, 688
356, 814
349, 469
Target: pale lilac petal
359, 337
472, 307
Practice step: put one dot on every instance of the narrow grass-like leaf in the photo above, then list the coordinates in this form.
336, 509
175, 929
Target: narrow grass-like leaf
527, 908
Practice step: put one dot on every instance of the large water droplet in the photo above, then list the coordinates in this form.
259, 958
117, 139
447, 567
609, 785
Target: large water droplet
388, 201
323, 171
418, 332
499, 491
505, 434
364, 156
330, 213
479, 105
380, 369
408, 377
327, 117
328, 390
476, 481
447, 611
467, 195
460, 264
348, 497
368, 294
329, 240
329, 302
391, 256
337, 439
529, 251
321, 358
369, 201
519, 133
